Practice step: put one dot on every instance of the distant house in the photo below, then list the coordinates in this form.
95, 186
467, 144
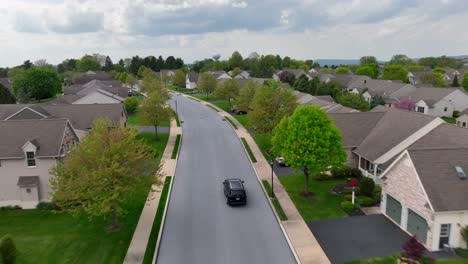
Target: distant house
166, 74
94, 92
462, 120
191, 80
28, 150
369, 88
326, 103
243, 75
80, 116
296, 72
85, 77
424, 190
220, 75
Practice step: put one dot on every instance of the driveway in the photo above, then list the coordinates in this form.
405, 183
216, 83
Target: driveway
200, 227
358, 237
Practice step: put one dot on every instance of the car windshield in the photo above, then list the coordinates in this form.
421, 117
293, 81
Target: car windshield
235, 185
237, 192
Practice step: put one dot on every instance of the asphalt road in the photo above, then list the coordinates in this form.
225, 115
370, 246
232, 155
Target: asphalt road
200, 227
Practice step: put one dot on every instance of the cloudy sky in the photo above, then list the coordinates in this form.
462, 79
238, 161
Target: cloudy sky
196, 29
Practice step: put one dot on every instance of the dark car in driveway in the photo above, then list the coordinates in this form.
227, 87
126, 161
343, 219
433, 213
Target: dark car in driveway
234, 191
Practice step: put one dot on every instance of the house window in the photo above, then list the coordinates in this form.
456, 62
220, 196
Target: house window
31, 160
421, 109
464, 124
445, 109
28, 190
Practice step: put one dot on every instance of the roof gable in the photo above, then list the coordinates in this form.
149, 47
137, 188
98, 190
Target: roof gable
26, 113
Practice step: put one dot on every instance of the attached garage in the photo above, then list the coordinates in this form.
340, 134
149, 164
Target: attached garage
393, 209
417, 226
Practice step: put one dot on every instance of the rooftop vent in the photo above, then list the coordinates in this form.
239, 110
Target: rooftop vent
461, 174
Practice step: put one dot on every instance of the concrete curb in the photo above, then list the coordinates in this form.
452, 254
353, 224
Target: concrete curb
258, 179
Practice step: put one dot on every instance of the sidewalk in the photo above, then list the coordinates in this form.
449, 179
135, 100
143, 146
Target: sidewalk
305, 245
137, 248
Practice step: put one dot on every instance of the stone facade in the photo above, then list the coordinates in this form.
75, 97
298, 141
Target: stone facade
402, 183
69, 140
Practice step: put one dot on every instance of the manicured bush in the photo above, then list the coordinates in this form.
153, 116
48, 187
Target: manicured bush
456, 114
365, 201
413, 249
322, 177
46, 206
464, 234
367, 186
347, 206
131, 104
8, 251
348, 197
10, 208
377, 194
344, 172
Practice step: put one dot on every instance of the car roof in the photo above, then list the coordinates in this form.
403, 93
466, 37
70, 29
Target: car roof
235, 184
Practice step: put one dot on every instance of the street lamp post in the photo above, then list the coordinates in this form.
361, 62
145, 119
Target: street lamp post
272, 192
176, 106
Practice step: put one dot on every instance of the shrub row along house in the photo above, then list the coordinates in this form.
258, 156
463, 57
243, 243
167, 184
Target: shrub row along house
420, 162
33, 138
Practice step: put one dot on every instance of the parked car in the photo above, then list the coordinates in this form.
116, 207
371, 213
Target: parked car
234, 191
281, 162
238, 111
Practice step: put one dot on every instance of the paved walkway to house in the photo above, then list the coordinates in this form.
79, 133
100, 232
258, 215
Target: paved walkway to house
303, 242
358, 237
371, 210
137, 248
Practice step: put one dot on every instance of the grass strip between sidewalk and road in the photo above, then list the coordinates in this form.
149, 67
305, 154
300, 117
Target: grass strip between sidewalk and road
212, 107
249, 151
279, 210
231, 122
193, 98
151, 246
176, 146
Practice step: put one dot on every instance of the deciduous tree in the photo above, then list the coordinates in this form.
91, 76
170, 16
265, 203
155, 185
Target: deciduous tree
207, 83
228, 90
179, 78
154, 109
269, 105
434, 78
88, 63
246, 94
395, 72
465, 82
236, 60
309, 140
406, 104
365, 60
108, 167
342, 70
36, 83
355, 101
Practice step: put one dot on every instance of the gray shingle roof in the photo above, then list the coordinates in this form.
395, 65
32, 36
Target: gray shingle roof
325, 105
355, 127
430, 95
111, 86
47, 135
193, 76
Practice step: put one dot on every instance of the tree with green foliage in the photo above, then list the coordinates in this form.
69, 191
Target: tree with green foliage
131, 80
228, 90
246, 94
150, 81
366, 60
455, 82
131, 104
179, 78
119, 68
326, 70
395, 72
88, 63
122, 77
355, 101
370, 70
301, 84
154, 109
400, 59
377, 100
414, 68
8, 251
108, 65
107, 168
438, 70
342, 70
434, 78
5, 96
465, 82
308, 140
235, 72
443, 61
236, 60
207, 83
286, 63
36, 83
140, 71
269, 105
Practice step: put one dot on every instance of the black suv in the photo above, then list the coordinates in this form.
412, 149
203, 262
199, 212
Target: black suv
234, 191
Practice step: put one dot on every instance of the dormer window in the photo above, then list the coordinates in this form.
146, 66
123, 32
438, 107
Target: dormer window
30, 159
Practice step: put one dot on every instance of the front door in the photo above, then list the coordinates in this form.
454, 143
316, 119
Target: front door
444, 237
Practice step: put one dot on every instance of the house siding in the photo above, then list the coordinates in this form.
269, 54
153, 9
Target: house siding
459, 100
457, 221
439, 109
402, 184
462, 119
12, 169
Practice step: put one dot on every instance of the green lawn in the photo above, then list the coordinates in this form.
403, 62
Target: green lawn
158, 146
243, 119
210, 97
212, 107
249, 150
279, 210
231, 122
134, 120
322, 205
175, 150
263, 142
223, 105
151, 246
57, 237
450, 120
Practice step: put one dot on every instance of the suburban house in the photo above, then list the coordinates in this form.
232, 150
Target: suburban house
28, 149
462, 120
424, 190
326, 103
436, 101
166, 74
343, 79
450, 74
374, 139
94, 92
296, 72
243, 75
368, 88
191, 80
80, 116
